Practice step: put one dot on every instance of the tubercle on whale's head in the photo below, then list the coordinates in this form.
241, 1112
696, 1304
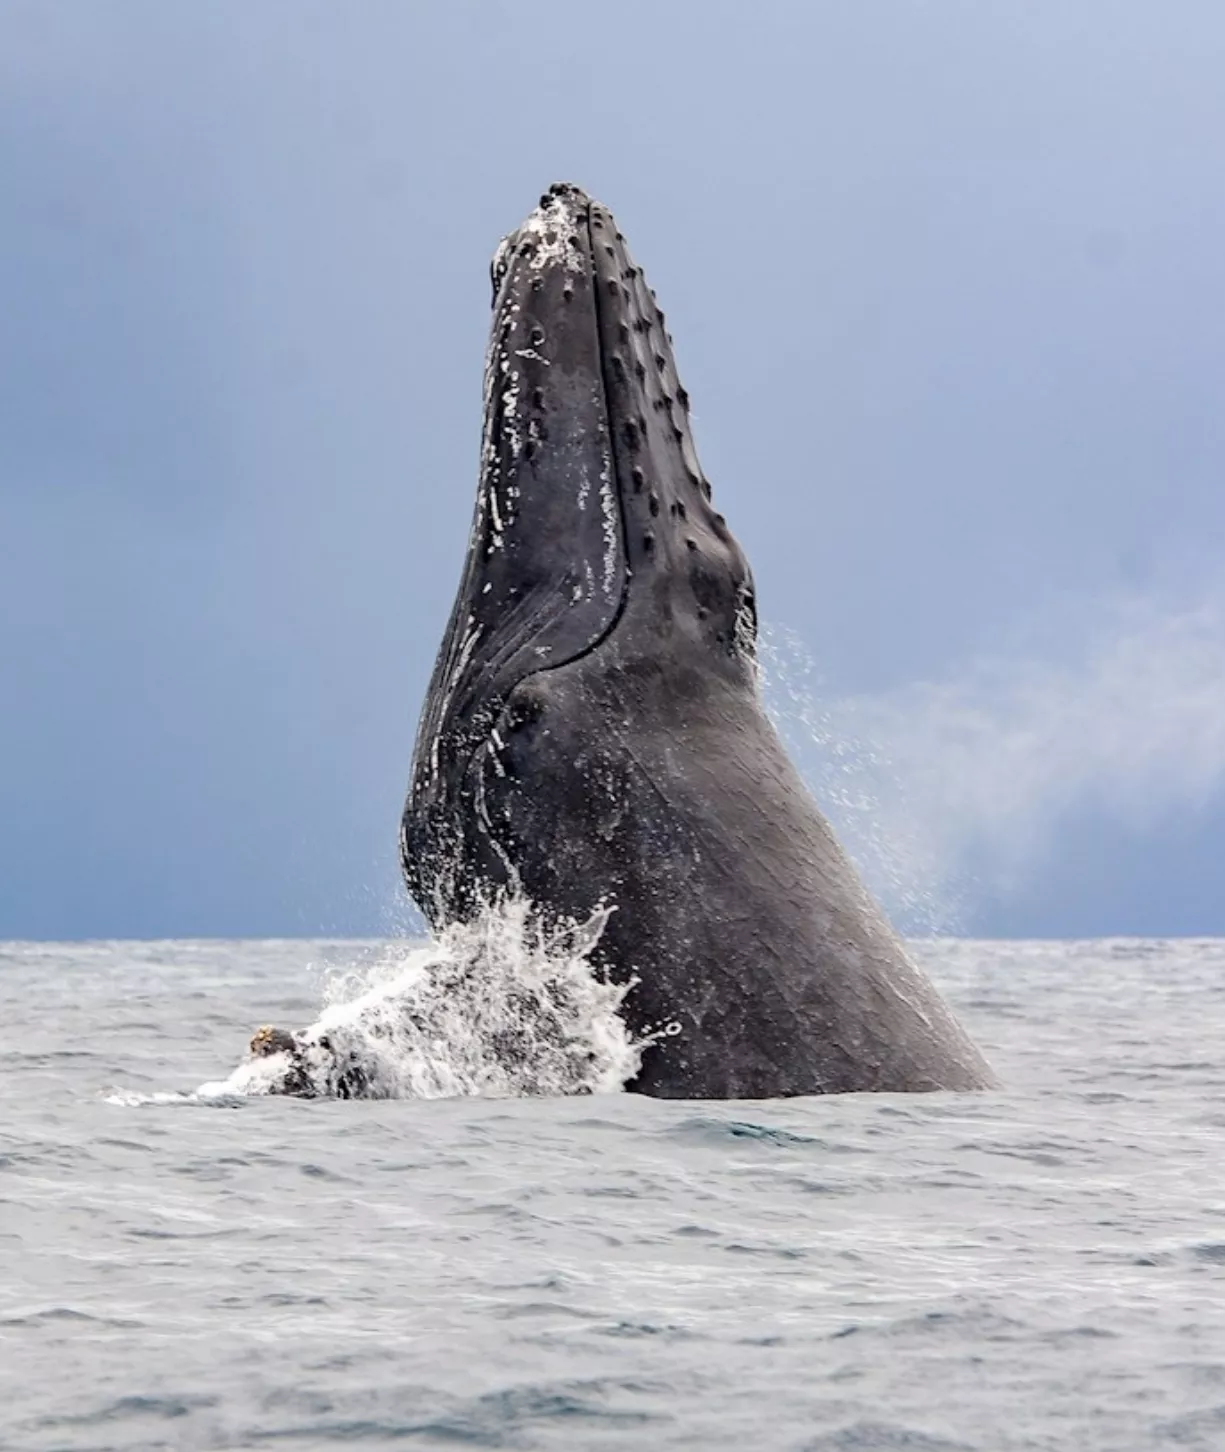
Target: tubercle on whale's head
590, 478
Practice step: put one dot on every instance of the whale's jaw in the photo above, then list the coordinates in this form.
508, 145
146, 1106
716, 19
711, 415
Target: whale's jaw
593, 518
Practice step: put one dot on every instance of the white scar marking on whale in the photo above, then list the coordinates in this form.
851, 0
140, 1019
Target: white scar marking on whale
609, 509
510, 415
482, 812
471, 636
493, 754
496, 516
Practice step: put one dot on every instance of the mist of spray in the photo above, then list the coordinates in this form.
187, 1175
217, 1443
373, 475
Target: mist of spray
944, 790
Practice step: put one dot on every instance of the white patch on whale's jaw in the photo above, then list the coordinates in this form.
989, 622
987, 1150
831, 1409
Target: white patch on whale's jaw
553, 228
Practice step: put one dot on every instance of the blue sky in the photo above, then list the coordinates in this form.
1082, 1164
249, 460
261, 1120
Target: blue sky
945, 281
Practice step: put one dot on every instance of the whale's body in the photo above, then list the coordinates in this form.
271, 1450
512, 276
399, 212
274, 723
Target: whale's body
593, 732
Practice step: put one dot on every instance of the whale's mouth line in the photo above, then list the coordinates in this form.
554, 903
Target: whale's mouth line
615, 481
592, 512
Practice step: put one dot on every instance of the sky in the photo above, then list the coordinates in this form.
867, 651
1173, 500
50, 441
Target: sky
946, 285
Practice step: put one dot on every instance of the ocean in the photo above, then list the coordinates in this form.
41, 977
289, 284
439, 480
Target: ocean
186, 1265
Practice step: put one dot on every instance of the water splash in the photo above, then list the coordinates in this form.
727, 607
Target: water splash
501, 1007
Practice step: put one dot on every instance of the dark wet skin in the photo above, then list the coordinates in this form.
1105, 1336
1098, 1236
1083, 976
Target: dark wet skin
594, 731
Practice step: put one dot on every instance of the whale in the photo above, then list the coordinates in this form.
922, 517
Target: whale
594, 735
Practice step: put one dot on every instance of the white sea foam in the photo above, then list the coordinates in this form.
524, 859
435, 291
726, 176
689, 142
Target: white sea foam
499, 1007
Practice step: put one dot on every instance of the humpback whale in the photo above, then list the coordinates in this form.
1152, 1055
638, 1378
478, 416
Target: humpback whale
594, 735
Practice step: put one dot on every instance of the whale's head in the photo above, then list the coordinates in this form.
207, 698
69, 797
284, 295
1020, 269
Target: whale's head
594, 534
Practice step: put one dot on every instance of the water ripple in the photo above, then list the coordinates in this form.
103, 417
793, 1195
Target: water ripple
1028, 1271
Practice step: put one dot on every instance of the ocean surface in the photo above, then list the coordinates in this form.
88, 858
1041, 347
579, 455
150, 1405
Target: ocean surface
188, 1267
